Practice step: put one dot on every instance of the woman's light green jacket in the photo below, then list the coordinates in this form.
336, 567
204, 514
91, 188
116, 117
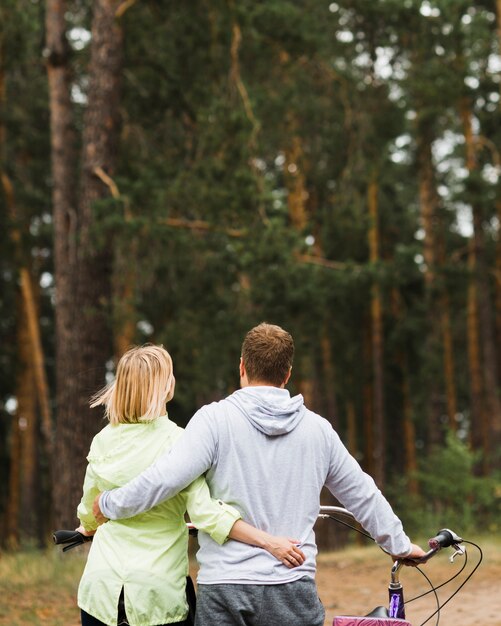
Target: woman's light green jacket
146, 554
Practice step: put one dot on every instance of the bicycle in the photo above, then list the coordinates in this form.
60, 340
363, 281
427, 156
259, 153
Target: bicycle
394, 614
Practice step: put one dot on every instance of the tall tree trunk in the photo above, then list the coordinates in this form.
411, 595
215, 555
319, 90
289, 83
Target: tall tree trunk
351, 428
368, 402
409, 434
447, 343
11, 537
125, 316
65, 244
408, 427
427, 210
296, 200
305, 382
498, 283
83, 268
479, 273
329, 377
449, 375
486, 334
29, 488
124, 284
498, 213
479, 438
296, 185
377, 338
22, 501
439, 339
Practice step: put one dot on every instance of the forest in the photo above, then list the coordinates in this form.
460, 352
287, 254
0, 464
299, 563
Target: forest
177, 172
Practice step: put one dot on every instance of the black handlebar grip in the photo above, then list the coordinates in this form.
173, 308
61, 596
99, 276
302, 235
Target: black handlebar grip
443, 539
73, 537
67, 536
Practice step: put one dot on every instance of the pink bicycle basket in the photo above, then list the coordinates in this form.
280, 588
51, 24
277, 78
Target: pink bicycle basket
345, 620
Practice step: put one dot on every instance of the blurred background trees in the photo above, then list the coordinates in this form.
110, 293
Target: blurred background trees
178, 172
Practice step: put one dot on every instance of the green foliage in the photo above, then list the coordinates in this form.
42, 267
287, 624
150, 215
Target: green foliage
451, 494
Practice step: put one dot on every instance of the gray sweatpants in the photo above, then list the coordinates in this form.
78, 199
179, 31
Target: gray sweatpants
289, 604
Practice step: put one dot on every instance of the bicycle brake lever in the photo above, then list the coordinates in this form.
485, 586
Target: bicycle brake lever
458, 550
72, 545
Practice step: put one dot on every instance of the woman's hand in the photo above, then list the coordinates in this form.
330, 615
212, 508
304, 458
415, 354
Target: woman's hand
85, 533
285, 550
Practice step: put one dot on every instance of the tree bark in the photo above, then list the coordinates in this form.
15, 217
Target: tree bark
296, 184
479, 274
449, 375
27, 422
479, 439
82, 266
498, 213
409, 435
329, 378
368, 403
379, 446
124, 310
351, 428
408, 427
11, 539
21, 514
439, 339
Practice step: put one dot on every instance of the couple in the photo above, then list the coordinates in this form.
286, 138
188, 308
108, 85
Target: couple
264, 456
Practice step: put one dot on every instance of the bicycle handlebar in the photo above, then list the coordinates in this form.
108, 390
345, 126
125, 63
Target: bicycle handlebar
443, 539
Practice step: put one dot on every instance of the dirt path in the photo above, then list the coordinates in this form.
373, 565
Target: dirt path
356, 581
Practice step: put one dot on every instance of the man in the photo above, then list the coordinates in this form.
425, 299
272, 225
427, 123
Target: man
269, 456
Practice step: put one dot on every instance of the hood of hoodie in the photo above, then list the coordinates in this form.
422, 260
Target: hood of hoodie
270, 409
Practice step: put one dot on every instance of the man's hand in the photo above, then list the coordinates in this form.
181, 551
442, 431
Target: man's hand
96, 510
416, 553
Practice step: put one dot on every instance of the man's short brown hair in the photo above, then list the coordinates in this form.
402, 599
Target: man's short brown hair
267, 353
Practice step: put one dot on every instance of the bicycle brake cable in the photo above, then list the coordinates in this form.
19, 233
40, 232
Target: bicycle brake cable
446, 582
343, 523
481, 556
433, 590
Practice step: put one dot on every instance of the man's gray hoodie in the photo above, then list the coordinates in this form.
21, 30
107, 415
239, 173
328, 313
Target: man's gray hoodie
269, 456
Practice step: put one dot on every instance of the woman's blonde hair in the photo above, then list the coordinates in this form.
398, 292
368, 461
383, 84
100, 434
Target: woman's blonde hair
143, 385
